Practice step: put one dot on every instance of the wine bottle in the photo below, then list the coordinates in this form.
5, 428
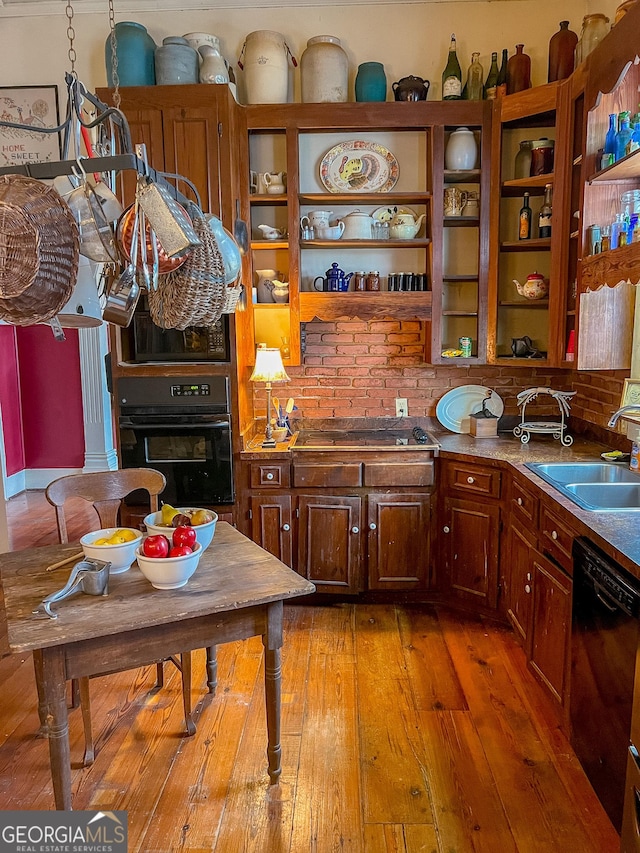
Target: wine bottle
492, 78
524, 223
474, 86
452, 75
501, 85
544, 217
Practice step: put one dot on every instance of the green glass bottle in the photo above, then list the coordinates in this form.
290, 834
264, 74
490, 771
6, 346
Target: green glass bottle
452, 75
474, 86
501, 87
492, 78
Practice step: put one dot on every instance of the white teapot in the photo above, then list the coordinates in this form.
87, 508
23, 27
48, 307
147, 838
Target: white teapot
357, 226
404, 226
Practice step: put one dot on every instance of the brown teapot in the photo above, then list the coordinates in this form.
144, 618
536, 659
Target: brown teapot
410, 89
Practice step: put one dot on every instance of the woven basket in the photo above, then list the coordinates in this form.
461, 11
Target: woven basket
195, 294
39, 248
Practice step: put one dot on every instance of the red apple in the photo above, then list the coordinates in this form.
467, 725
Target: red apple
180, 551
155, 546
184, 535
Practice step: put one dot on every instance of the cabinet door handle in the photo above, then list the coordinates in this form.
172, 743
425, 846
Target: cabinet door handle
286, 527
373, 526
554, 534
528, 576
470, 480
269, 476
519, 501
446, 529
355, 530
527, 588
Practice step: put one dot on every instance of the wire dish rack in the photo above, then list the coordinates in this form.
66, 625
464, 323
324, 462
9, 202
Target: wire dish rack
526, 428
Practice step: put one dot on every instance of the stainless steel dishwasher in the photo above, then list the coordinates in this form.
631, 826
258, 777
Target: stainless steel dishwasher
604, 643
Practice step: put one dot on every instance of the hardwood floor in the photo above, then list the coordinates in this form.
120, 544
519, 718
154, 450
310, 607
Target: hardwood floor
405, 729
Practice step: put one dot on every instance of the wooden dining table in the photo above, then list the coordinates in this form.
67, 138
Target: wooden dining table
237, 592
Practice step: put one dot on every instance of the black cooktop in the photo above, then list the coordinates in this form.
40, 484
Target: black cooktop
372, 439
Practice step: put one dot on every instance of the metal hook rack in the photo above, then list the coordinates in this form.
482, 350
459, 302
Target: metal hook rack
125, 161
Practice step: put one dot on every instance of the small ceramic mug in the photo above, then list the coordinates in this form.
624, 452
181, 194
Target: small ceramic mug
455, 201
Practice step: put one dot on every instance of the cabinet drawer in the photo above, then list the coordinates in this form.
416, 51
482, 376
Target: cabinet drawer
313, 474
524, 505
556, 538
270, 474
398, 474
472, 479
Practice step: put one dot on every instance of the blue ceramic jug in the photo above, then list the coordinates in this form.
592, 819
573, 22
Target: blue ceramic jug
135, 51
371, 82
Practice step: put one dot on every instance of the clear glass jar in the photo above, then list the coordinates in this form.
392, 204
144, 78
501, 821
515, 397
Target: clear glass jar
594, 29
522, 164
631, 199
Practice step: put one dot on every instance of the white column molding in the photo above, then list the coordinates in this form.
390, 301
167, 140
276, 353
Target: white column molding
99, 449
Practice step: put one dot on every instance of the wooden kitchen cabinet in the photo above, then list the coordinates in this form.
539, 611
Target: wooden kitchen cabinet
398, 540
272, 527
330, 542
549, 645
516, 571
469, 531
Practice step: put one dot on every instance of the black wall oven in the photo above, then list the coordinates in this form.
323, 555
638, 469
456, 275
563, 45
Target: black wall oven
182, 427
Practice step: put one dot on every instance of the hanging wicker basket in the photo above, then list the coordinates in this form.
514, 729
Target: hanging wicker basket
39, 249
195, 294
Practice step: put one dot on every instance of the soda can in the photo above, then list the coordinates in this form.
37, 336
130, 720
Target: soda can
465, 346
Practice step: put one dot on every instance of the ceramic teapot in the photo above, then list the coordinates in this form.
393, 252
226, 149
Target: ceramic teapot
404, 226
410, 89
535, 287
358, 225
336, 279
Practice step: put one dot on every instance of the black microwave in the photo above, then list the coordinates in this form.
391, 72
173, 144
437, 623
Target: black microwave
195, 343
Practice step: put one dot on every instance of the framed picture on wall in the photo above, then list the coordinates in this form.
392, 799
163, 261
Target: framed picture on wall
631, 393
37, 107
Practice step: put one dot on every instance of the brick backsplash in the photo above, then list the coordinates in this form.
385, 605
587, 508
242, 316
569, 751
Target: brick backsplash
357, 369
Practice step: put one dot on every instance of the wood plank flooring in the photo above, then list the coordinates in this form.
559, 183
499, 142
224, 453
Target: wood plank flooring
404, 730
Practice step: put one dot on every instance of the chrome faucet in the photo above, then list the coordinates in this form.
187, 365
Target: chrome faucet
613, 420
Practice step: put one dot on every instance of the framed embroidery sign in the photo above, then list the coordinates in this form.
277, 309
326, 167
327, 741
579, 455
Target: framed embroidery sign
36, 107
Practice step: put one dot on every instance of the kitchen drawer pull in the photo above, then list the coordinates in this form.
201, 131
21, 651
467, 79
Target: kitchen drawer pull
355, 530
269, 476
471, 480
286, 527
554, 534
527, 588
519, 501
446, 529
528, 576
373, 526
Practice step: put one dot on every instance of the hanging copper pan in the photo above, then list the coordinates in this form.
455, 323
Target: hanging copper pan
124, 234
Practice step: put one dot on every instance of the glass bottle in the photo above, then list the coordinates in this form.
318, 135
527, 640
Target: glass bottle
623, 135
492, 78
475, 76
524, 220
522, 163
544, 217
634, 143
610, 138
518, 71
501, 87
617, 228
562, 53
452, 75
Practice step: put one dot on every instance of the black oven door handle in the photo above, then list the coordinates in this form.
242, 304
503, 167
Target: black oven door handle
192, 426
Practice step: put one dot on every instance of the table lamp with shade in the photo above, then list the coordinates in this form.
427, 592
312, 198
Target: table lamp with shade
268, 368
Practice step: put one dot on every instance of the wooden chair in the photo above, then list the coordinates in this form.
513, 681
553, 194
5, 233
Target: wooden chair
106, 491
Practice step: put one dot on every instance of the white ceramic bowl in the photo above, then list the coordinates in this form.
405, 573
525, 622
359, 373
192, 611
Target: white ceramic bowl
169, 572
120, 556
204, 532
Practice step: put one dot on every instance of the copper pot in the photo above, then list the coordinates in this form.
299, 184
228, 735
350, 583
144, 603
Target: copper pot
124, 234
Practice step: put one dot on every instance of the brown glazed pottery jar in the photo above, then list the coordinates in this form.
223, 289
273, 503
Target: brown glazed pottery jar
410, 89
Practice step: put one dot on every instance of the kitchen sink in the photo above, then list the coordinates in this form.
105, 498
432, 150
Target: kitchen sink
596, 486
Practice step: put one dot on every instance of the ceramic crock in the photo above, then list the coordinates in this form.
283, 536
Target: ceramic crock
324, 71
461, 151
135, 50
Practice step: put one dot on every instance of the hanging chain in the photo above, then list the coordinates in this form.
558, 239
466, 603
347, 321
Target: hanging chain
71, 34
114, 57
